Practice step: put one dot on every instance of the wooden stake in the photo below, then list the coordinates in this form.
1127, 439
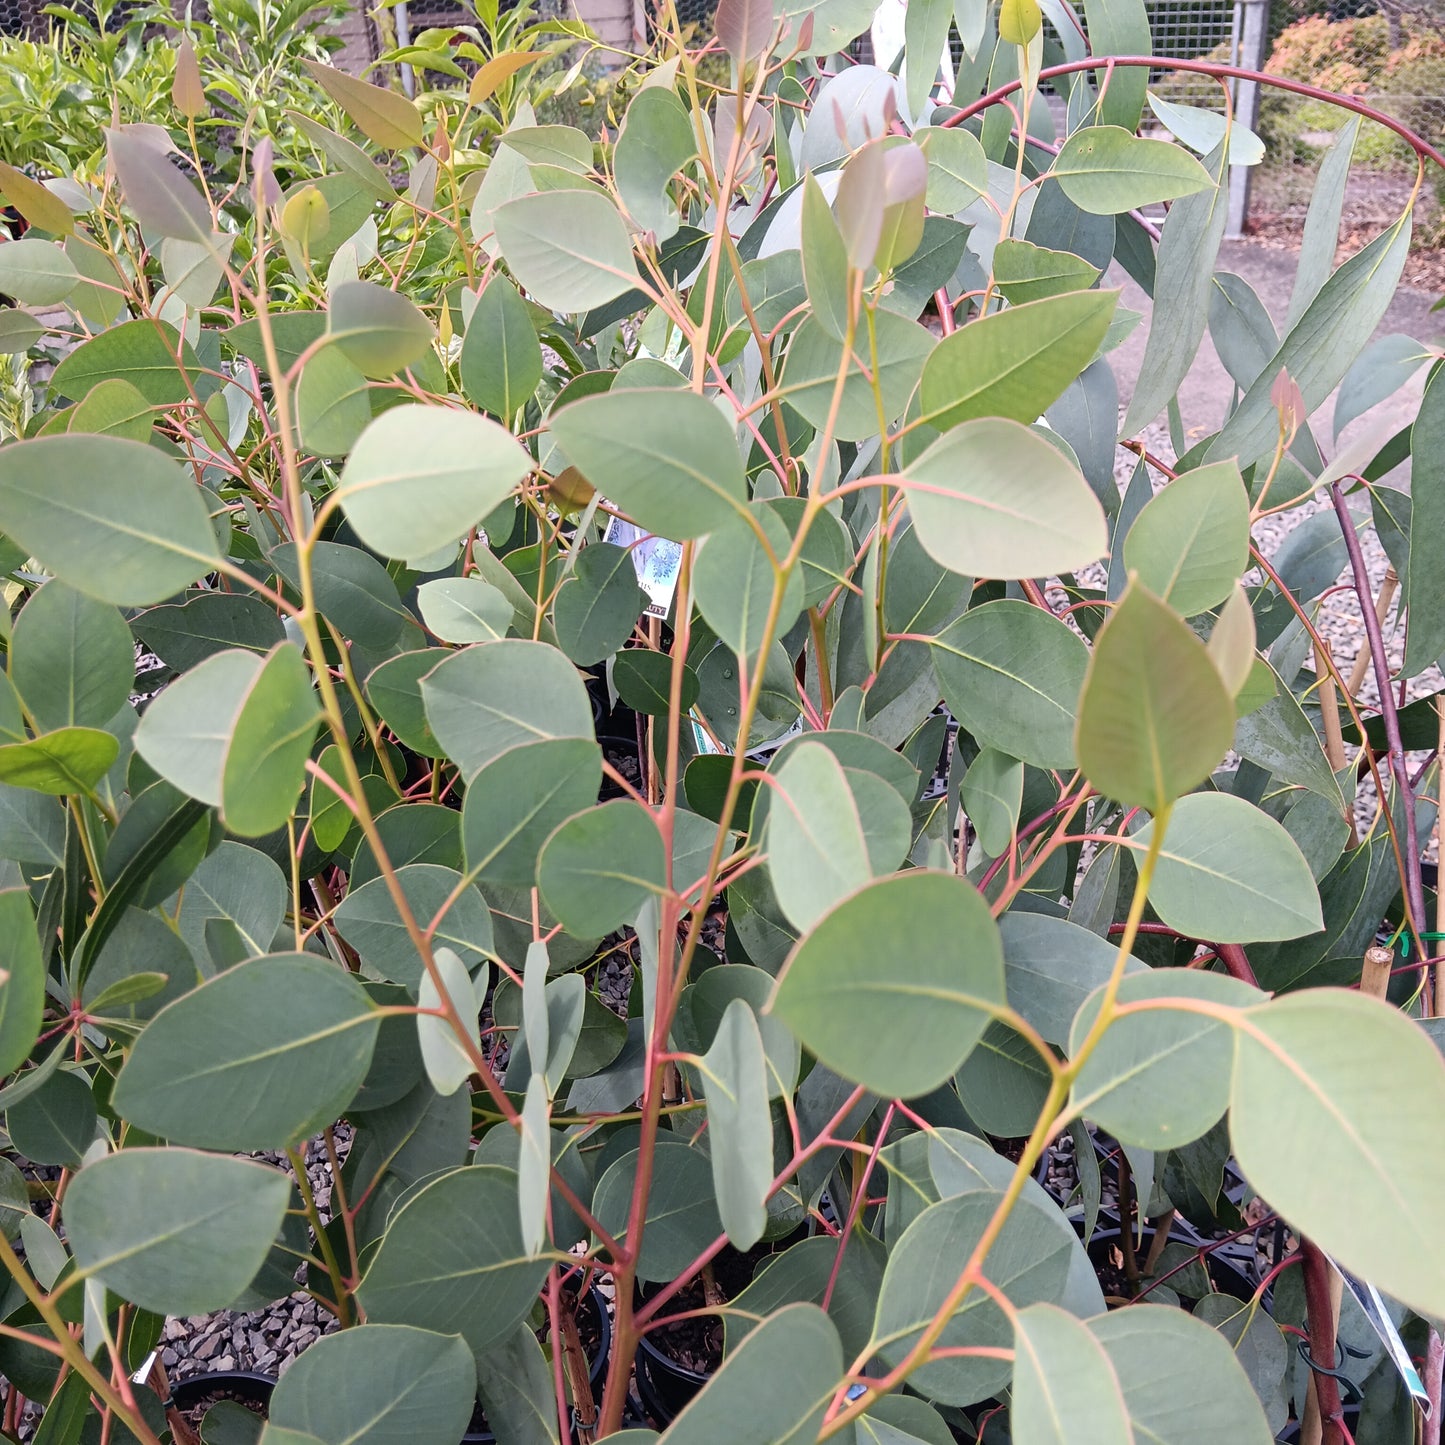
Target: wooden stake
1382, 605
1329, 708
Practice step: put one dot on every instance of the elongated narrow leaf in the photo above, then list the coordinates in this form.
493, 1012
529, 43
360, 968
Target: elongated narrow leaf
115, 519
668, 458
408, 500
903, 1030
1154, 718
1183, 282
1304, 1108
1322, 344
172, 1230
1322, 223
22, 990
735, 1081
204, 1071
993, 499
1423, 584
379, 1385
65, 761
1015, 363
448, 1064
501, 360
1231, 874
817, 852
165, 200
389, 119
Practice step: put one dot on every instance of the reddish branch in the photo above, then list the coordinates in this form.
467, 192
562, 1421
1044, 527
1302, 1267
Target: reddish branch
1414, 887
1322, 1342
1219, 72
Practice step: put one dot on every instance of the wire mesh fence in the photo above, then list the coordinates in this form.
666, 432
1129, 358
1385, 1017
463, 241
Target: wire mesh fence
1396, 64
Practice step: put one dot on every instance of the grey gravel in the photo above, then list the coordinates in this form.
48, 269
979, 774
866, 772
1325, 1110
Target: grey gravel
268, 1339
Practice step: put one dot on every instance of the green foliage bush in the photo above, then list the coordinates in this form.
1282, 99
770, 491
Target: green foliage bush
687, 554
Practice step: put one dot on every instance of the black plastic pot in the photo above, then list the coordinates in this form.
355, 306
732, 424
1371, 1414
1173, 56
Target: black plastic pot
1224, 1274
664, 1385
247, 1386
597, 1365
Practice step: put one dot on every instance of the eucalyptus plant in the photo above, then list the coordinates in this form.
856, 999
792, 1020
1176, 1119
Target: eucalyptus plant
976, 802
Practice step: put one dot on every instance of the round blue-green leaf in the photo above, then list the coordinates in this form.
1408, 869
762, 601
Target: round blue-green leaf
260, 1057
1155, 718
1159, 1078
902, 1029
515, 803
270, 740
116, 519
420, 476
601, 866
991, 498
775, 1387
368, 920
669, 458
734, 578
452, 1260
71, 658
1012, 673
379, 1385
172, 1230
598, 604
1229, 873
497, 695
1191, 542
394, 690
1181, 1381
682, 1213
56, 1123
1029, 1262
1332, 1085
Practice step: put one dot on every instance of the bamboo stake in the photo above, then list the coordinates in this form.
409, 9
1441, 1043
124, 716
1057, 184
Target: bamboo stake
1382, 606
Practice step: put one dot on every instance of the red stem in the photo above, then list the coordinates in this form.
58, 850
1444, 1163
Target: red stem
1322, 1341
1219, 72
1414, 887
1233, 957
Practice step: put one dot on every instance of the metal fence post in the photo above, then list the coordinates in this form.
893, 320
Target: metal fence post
1253, 28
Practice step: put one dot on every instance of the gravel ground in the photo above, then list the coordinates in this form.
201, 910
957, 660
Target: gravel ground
268, 1339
